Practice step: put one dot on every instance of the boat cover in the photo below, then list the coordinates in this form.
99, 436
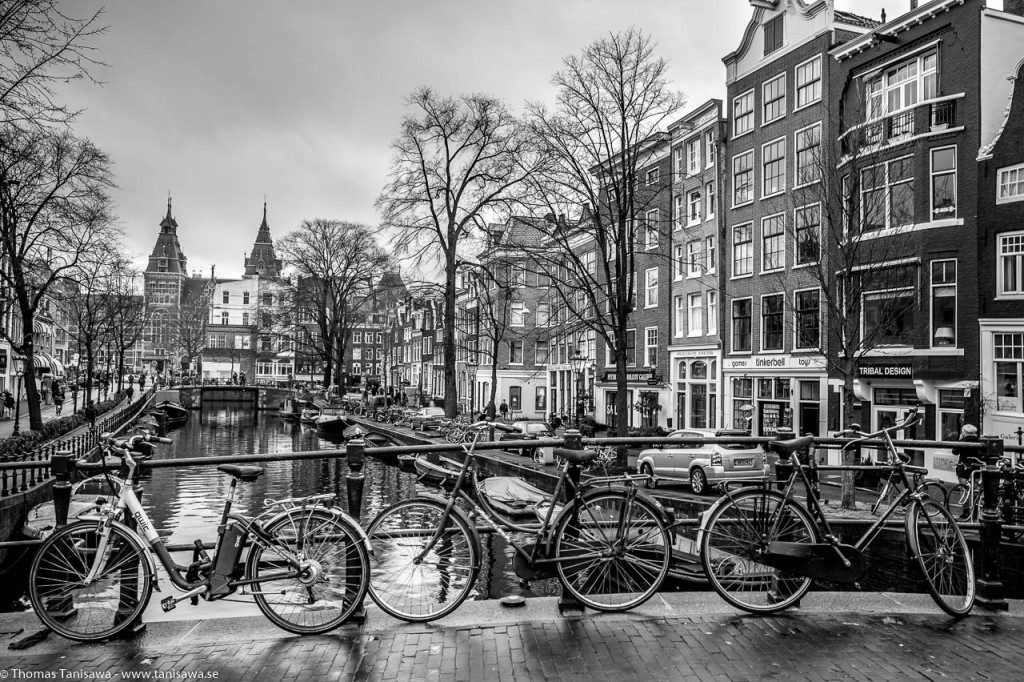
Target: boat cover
512, 490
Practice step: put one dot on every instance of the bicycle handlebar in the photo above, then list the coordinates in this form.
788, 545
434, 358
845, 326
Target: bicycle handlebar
497, 425
121, 446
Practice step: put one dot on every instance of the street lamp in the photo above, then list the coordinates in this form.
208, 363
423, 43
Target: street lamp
576, 363
472, 365
19, 371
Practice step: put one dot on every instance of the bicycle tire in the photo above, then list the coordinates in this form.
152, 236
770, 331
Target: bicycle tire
738, 530
433, 588
958, 500
336, 558
938, 544
633, 562
934, 491
111, 603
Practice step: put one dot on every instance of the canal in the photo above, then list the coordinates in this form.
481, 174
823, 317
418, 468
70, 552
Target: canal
185, 503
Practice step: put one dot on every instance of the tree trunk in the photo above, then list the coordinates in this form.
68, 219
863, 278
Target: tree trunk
450, 384
849, 491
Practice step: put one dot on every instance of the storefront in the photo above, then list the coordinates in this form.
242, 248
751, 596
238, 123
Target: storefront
1002, 379
648, 397
695, 381
763, 393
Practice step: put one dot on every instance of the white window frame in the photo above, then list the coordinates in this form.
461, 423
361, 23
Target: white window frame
887, 188
765, 102
753, 178
679, 162
522, 351
679, 202
736, 118
1003, 181
517, 314
712, 315
693, 155
932, 287
796, 321
651, 288
357, 337
709, 148
750, 246
764, 311
709, 202
693, 202
695, 314
652, 176
931, 183
679, 315
710, 254
1010, 247
649, 346
678, 261
797, 232
693, 258
816, 163
799, 86
652, 217
764, 161
780, 234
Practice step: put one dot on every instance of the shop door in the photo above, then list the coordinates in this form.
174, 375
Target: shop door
888, 416
809, 416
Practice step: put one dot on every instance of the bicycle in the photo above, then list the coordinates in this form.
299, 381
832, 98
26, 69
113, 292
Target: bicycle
307, 564
892, 489
761, 549
610, 548
965, 500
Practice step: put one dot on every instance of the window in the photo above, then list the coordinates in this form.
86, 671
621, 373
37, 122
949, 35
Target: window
808, 82
1010, 256
265, 345
517, 314
651, 347
268, 299
742, 250
651, 288
903, 85
380, 337
1010, 185
771, 321
888, 305
218, 340
694, 202
693, 259
1009, 355
679, 203
712, 312
709, 191
709, 148
773, 34
589, 261
515, 352
543, 314
542, 352
357, 353
540, 398
806, 308
631, 348
357, 337
710, 254
773, 243
225, 297
679, 260
808, 234
773, 166
943, 183
943, 328
741, 325
651, 231
773, 97
224, 317
743, 114
357, 369
517, 275
678, 159
245, 319
696, 314
808, 155
743, 178
679, 310
887, 195
653, 175
693, 156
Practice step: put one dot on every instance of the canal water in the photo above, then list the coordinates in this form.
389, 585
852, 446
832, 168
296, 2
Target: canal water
185, 503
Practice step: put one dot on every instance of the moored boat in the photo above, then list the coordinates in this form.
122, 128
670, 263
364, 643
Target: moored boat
444, 471
88, 496
331, 419
176, 414
512, 496
309, 415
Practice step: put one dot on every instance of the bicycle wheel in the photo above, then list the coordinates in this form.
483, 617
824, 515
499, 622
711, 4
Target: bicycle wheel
107, 605
617, 553
942, 553
736, 536
958, 501
414, 589
934, 490
334, 576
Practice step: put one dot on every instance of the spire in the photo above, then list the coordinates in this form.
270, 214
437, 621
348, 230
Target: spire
167, 256
262, 260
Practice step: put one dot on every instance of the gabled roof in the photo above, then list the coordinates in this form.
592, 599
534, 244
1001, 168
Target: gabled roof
167, 256
263, 261
856, 19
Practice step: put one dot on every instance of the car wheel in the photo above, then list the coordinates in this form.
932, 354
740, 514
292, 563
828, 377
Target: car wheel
646, 470
699, 481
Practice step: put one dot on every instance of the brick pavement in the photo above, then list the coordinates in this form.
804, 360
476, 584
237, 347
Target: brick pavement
684, 638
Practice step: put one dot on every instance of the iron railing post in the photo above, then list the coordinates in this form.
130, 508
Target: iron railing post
61, 464
355, 454
573, 441
990, 586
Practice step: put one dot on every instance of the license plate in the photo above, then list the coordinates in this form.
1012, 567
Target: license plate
743, 462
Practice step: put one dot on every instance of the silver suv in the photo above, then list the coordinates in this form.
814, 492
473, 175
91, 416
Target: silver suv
703, 465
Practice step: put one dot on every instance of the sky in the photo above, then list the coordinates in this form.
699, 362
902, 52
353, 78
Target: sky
224, 105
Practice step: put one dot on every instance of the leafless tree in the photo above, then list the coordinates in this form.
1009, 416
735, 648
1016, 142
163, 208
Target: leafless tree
613, 100
128, 316
190, 327
55, 212
457, 162
336, 265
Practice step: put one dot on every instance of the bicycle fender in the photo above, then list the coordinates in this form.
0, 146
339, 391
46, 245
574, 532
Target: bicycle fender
334, 511
667, 516
147, 551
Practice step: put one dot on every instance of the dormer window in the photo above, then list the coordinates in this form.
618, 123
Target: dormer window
773, 35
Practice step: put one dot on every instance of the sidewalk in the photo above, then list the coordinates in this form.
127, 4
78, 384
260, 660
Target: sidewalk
676, 636
49, 411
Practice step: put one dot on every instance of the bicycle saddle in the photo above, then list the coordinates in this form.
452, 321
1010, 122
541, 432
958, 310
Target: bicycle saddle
244, 473
786, 447
576, 456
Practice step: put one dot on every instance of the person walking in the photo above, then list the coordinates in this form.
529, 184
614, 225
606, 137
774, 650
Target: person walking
142, 382
58, 399
90, 414
9, 403
503, 408
130, 391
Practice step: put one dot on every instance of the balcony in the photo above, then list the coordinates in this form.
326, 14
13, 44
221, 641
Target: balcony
925, 118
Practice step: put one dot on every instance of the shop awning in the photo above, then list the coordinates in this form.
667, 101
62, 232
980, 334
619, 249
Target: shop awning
40, 327
45, 362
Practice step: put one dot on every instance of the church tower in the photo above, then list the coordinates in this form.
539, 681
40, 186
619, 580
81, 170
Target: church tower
263, 262
164, 277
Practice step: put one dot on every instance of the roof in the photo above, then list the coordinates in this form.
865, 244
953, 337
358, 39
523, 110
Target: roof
856, 19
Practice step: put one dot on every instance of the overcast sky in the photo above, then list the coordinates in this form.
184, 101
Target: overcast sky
224, 103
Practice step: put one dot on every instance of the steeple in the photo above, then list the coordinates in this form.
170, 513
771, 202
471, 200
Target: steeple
262, 260
167, 255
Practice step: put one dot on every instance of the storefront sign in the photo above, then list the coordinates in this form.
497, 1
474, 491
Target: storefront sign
903, 370
630, 376
775, 362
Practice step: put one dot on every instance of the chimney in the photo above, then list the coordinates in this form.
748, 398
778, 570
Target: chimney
913, 5
883, 15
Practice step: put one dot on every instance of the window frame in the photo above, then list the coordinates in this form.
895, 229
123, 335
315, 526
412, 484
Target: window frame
798, 329
712, 314
1018, 170
652, 176
749, 332
816, 163
931, 182
773, 31
765, 161
766, 102
933, 326
651, 238
693, 155
737, 117
735, 186
749, 226
780, 323
780, 235
694, 256
798, 230
709, 203
710, 153
692, 203
679, 321
649, 347
798, 87
692, 331
651, 299
710, 254
1014, 252
679, 262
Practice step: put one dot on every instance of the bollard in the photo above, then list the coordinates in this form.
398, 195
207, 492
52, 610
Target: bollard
573, 441
60, 465
990, 587
354, 453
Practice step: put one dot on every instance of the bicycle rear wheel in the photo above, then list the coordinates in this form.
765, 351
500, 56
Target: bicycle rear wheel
942, 553
735, 538
958, 501
934, 490
414, 589
334, 577
616, 553
106, 606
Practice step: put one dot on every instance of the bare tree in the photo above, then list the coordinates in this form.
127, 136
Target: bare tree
613, 99
336, 265
55, 212
127, 307
192, 322
456, 162
42, 46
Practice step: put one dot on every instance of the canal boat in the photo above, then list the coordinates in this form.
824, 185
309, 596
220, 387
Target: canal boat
309, 415
176, 414
88, 496
441, 472
292, 409
407, 461
331, 419
512, 496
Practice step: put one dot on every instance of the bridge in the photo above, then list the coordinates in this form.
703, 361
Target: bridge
260, 397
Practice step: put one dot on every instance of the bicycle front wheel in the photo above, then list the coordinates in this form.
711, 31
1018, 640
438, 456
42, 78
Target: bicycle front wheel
413, 576
111, 602
735, 539
942, 553
615, 554
333, 577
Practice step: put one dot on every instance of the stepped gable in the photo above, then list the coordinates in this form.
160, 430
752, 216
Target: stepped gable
167, 255
262, 260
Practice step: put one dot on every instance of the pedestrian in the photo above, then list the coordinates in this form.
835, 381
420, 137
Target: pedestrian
130, 391
8, 404
58, 399
234, 378
241, 378
90, 414
503, 408
966, 463
131, 379
142, 382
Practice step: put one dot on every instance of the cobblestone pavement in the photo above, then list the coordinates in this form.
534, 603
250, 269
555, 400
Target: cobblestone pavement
673, 641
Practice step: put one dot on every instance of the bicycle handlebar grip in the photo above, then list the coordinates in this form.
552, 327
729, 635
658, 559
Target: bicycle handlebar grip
158, 439
503, 427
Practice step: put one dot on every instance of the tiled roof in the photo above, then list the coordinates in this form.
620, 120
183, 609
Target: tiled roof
856, 19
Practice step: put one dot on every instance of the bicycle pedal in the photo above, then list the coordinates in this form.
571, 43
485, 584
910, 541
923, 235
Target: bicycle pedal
168, 604
194, 601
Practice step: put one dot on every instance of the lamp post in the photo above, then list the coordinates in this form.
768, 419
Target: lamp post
19, 371
472, 365
576, 363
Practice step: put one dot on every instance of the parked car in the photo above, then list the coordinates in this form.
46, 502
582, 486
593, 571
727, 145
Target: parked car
704, 465
426, 418
528, 430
